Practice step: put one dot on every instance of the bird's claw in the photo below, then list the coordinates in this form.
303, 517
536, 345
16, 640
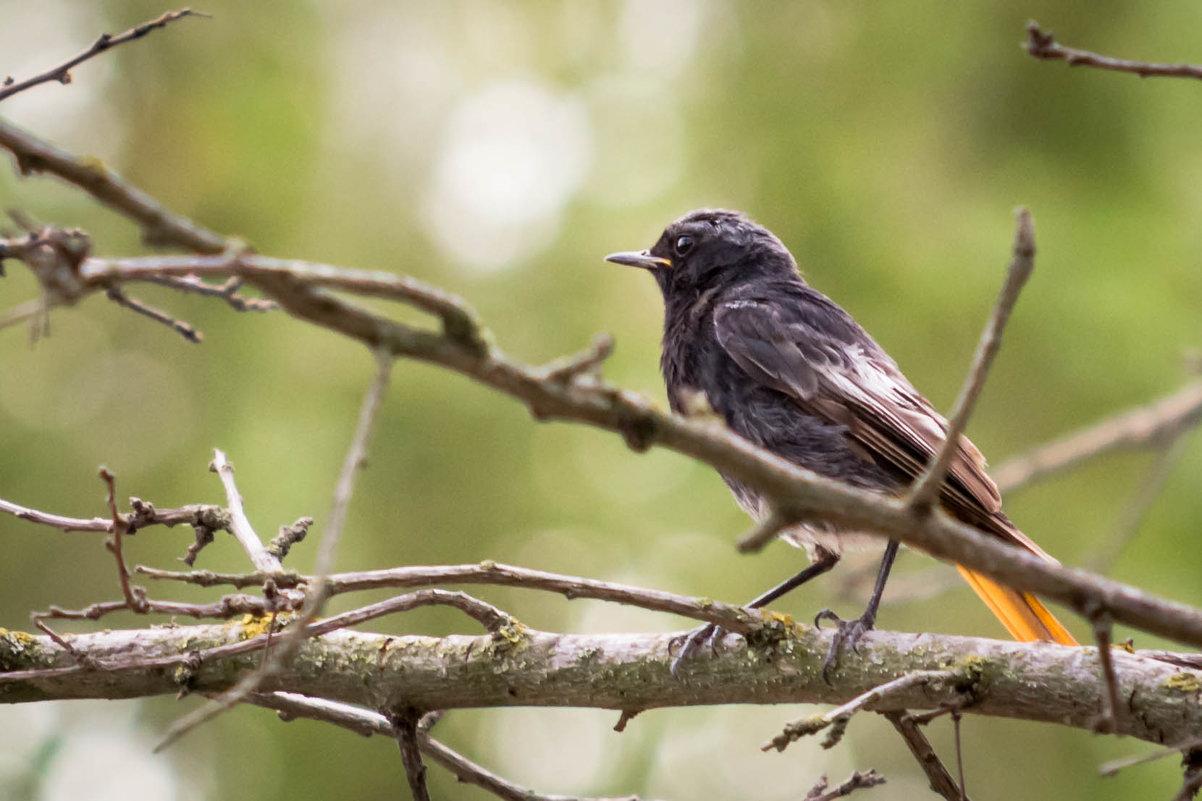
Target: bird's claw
710, 633
847, 633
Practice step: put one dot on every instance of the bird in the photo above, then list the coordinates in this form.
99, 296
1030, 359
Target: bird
789, 370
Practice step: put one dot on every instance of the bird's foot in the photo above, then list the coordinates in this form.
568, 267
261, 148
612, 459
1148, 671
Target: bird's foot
847, 633
709, 634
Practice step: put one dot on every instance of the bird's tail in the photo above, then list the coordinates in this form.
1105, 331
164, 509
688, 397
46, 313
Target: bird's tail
1022, 614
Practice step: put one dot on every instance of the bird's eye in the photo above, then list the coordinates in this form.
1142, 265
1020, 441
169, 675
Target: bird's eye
683, 245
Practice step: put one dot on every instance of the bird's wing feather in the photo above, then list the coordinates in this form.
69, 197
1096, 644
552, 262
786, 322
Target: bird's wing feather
813, 351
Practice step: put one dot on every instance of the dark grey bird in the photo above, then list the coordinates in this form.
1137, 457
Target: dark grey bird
792, 372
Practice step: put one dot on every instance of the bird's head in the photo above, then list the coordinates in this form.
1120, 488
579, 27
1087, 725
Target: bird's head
710, 248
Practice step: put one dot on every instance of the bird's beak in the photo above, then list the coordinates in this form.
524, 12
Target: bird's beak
640, 258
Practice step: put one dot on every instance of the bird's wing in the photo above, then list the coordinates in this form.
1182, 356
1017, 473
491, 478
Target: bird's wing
811, 350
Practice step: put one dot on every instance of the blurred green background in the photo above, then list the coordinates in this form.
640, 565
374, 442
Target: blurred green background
500, 150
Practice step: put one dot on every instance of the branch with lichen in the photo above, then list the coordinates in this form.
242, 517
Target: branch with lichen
518, 666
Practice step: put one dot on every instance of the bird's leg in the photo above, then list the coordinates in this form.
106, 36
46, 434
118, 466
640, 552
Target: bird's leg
711, 632
850, 631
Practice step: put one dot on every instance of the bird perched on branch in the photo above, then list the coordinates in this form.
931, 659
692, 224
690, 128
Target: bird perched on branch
792, 372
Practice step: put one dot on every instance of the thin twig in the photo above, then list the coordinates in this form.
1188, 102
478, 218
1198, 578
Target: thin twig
119, 296
488, 616
282, 543
62, 73
356, 459
940, 778
83, 661
60, 522
764, 532
404, 726
294, 705
926, 487
1132, 513
1112, 768
227, 291
838, 717
229, 606
28, 310
1108, 722
923, 718
367, 723
856, 781
470, 772
240, 525
135, 598
209, 578
1041, 44
144, 515
583, 363
956, 718
1141, 427
732, 618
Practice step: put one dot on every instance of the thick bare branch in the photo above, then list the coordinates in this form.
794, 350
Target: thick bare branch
613, 671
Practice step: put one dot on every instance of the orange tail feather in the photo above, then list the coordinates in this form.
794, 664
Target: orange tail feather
1022, 614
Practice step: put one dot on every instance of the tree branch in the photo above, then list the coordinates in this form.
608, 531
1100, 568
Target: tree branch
160, 226
612, 671
926, 487
837, 719
240, 525
940, 778
404, 726
144, 515
1041, 44
367, 723
1142, 427
731, 618
107, 41
856, 781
